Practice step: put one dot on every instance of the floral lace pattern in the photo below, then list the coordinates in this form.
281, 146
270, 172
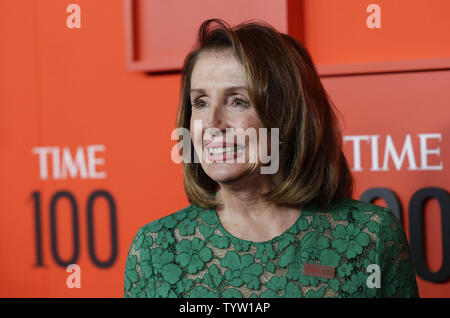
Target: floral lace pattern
190, 254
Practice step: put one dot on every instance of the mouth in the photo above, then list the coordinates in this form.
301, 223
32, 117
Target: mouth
219, 153
225, 150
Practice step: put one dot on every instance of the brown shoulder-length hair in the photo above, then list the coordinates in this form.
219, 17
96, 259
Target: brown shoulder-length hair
287, 93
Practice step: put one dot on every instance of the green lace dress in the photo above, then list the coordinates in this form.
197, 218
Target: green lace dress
190, 254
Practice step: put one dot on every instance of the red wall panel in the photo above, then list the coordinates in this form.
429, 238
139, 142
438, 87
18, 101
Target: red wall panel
398, 106
161, 33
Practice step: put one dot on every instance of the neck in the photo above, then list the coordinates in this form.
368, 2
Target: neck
244, 198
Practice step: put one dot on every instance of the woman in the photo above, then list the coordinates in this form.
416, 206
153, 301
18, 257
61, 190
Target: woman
295, 232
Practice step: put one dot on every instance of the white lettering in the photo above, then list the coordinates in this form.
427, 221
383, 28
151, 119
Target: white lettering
390, 152
74, 19
407, 150
374, 150
196, 308
43, 167
64, 164
74, 279
374, 20
93, 161
356, 150
424, 152
374, 279
79, 164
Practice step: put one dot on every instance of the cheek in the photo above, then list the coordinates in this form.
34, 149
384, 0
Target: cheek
253, 140
248, 120
195, 133
254, 124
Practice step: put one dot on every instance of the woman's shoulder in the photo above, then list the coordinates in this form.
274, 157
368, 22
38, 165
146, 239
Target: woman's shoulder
361, 212
353, 204
354, 216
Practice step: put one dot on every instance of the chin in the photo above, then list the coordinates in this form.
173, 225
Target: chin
225, 172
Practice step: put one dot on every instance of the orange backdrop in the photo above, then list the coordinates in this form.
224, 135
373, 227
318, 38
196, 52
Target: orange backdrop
71, 98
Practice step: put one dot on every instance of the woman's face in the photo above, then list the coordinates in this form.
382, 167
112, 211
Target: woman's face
220, 99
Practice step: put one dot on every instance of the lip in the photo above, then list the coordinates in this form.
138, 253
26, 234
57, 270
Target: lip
223, 157
220, 144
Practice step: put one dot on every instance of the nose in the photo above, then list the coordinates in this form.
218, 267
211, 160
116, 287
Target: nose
216, 122
215, 118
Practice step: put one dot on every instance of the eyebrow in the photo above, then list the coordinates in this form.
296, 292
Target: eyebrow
227, 90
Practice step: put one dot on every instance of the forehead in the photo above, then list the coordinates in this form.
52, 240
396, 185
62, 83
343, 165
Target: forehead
217, 68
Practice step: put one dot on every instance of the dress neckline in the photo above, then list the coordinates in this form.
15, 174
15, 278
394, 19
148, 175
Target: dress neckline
308, 207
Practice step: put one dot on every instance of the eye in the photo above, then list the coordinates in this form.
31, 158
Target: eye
198, 103
240, 102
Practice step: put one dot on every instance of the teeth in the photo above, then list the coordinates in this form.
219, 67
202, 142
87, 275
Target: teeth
218, 150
